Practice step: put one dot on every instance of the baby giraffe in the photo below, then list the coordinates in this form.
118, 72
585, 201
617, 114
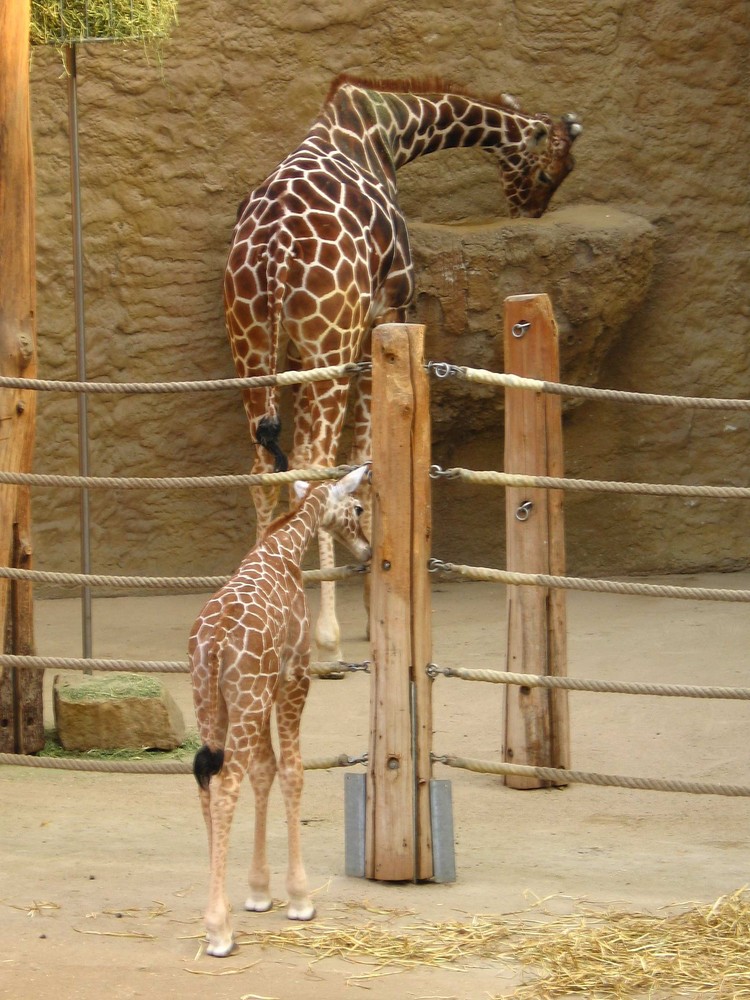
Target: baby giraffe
250, 650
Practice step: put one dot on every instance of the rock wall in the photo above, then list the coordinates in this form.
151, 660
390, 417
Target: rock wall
170, 145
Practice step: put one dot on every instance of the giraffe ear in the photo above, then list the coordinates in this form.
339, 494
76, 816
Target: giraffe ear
351, 481
301, 489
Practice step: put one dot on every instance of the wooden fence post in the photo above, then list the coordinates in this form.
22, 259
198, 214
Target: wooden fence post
21, 704
397, 824
536, 720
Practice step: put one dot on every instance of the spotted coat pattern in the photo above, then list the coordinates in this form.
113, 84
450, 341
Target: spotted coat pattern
321, 252
249, 653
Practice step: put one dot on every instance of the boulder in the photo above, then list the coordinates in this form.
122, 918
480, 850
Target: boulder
594, 261
116, 712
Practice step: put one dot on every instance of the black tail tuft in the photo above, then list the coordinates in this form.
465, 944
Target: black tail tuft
267, 437
207, 763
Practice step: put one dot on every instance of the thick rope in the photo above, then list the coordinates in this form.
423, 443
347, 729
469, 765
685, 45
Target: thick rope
341, 371
158, 582
15, 662
585, 392
317, 474
582, 583
322, 668
584, 684
145, 766
488, 478
202, 385
332, 668
561, 776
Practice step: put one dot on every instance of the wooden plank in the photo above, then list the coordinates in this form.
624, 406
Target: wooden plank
389, 837
421, 623
536, 728
17, 358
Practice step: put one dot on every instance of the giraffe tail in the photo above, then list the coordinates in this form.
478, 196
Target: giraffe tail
209, 760
267, 435
206, 764
277, 269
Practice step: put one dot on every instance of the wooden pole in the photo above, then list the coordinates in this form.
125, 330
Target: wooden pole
21, 721
536, 720
397, 823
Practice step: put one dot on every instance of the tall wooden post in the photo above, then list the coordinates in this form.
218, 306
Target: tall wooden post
397, 822
21, 722
536, 720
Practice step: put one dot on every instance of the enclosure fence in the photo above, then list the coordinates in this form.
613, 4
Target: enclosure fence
508, 577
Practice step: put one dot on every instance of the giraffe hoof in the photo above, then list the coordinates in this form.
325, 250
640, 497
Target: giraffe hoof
222, 950
300, 911
260, 904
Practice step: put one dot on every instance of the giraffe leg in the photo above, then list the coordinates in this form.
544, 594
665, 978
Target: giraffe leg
327, 631
205, 800
291, 778
262, 774
223, 792
260, 404
319, 410
265, 498
200, 680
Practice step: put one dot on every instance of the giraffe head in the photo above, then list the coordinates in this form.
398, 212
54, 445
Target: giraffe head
536, 162
342, 511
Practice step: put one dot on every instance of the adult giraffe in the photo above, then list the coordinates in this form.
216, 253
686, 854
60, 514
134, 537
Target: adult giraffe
320, 254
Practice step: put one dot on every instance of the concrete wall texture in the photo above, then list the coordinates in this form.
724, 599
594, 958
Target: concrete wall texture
171, 144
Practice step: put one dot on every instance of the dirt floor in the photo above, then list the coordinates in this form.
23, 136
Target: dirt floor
103, 877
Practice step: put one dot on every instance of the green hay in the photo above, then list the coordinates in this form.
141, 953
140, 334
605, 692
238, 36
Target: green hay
112, 687
100, 20
52, 748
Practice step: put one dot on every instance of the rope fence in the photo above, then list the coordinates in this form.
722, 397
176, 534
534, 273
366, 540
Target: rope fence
150, 767
317, 474
585, 684
321, 668
200, 385
490, 478
505, 380
440, 370
562, 776
160, 582
489, 575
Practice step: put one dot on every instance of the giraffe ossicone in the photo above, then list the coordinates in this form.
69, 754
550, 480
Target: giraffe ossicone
320, 254
249, 656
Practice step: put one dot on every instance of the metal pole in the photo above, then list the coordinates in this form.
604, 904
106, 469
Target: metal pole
83, 427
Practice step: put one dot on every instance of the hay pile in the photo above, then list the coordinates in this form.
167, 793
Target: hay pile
110, 687
702, 951
696, 951
63, 21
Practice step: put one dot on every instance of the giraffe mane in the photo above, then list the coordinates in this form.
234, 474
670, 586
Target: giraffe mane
279, 522
414, 85
287, 516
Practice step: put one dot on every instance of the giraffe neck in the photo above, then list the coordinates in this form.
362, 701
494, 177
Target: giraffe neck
383, 130
289, 535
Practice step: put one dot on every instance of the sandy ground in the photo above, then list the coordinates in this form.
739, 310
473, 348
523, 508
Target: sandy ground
103, 877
